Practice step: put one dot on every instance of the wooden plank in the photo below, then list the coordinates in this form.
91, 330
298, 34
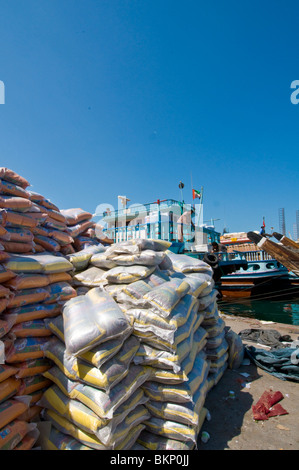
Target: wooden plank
286, 256
286, 241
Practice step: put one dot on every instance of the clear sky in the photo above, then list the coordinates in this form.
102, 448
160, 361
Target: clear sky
125, 97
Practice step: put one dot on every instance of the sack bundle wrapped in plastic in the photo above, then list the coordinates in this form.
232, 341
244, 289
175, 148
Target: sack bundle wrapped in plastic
96, 398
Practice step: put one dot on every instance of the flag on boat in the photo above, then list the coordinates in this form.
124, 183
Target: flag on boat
196, 194
264, 225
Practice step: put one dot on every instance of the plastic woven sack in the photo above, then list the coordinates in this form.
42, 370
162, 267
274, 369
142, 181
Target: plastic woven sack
171, 429
7, 187
155, 442
58, 440
146, 320
104, 351
185, 413
100, 260
104, 404
138, 245
150, 356
13, 433
92, 319
236, 349
110, 373
188, 264
179, 335
13, 177
12, 409
15, 203
91, 277
75, 216
144, 258
24, 349
165, 297
33, 311
80, 260
9, 387
179, 393
38, 263
59, 292
128, 274
36, 328
65, 426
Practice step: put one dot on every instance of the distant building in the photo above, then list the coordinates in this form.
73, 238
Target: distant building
166, 219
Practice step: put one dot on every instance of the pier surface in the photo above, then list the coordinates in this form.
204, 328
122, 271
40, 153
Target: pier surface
232, 426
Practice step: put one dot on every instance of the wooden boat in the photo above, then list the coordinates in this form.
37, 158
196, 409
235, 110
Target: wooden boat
282, 252
261, 277
264, 275
286, 241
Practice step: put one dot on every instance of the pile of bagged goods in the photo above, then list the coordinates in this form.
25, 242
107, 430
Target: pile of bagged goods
102, 347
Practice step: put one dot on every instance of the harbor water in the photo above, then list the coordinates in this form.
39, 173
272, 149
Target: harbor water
280, 311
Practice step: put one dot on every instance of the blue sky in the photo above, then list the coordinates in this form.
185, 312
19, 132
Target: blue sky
125, 97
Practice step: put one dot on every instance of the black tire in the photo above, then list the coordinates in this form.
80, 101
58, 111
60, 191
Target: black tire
211, 259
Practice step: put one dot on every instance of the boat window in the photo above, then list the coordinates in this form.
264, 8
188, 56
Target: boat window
255, 267
270, 265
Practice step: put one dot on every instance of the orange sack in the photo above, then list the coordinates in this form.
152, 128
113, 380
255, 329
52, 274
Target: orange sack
10, 410
6, 274
32, 312
3, 233
13, 177
31, 281
33, 384
18, 247
28, 296
33, 367
18, 234
13, 189
30, 328
20, 220
15, 203
29, 415
24, 349
3, 304
9, 388
13, 433
7, 371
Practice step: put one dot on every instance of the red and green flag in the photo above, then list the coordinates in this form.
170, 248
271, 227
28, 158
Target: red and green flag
196, 194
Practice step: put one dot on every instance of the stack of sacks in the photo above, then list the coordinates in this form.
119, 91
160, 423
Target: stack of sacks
16, 432
98, 376
216, 348
96, 401
39, 286
116, 266
171, 302
51, 232
81, 228
167, 313
140, 277
18, 214
85, 276
29, 222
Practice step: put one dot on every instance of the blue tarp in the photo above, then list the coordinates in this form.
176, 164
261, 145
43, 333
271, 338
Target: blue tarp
282, 363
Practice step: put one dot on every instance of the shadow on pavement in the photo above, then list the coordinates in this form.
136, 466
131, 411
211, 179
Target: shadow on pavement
227, 414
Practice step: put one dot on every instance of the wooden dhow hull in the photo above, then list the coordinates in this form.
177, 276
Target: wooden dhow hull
286, 255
